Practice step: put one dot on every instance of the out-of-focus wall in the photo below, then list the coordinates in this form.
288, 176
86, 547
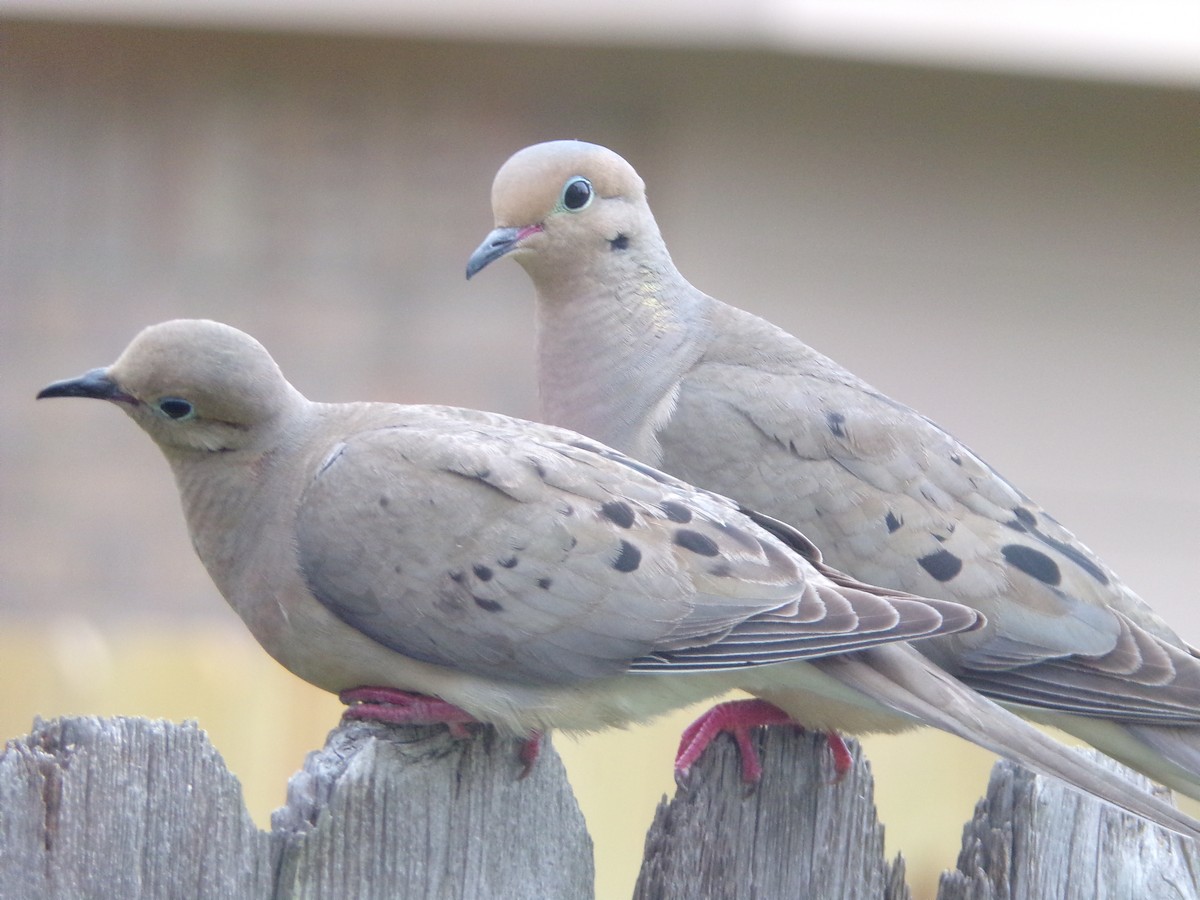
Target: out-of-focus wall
1015, 257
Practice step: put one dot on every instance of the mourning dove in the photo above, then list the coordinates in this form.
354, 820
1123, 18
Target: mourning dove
631, 354
529, 576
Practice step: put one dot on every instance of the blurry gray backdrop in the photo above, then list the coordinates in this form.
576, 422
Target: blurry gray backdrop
1016, 256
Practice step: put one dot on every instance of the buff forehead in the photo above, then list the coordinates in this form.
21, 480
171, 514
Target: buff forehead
528, 186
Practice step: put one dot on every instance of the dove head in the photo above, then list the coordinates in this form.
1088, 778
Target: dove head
559, 204
193, 385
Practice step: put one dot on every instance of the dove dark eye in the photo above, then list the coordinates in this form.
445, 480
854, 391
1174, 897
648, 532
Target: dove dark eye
577, 194
174, 408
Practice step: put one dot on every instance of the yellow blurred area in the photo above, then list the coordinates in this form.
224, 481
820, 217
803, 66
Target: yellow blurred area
263, 720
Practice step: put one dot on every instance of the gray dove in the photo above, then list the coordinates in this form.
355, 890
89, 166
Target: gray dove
631, 354
522, 574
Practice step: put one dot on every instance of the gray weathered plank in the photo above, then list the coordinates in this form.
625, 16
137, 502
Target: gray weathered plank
138, 809
1032, 837
410, 812
102, 808
798, 834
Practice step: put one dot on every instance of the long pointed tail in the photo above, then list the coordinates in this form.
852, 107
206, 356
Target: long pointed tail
900, 679
1167, 754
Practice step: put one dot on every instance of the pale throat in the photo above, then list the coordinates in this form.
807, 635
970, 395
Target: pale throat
609, 362
225, 513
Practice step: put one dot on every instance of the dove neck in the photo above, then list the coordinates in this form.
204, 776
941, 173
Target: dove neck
610, 359
229, 501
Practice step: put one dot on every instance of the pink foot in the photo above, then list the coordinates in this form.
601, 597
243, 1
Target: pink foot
404, 708
531, 748
737, 717
842, 760
380, 704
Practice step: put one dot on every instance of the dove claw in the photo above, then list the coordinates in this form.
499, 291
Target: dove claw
737, 718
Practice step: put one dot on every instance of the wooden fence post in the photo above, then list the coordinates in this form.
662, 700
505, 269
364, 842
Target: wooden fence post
128, 808
796, 834
413, 813
1033, 837
101, 808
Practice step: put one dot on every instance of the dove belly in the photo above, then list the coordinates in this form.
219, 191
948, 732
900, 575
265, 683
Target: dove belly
323, 650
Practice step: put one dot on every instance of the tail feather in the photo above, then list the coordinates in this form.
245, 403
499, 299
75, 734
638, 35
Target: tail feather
1168, 754
904, 681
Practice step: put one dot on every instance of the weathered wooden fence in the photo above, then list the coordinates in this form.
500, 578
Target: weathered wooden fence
129, 808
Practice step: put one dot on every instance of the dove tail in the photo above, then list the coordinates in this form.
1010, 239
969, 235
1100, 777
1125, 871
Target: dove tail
899, 678
1167, 754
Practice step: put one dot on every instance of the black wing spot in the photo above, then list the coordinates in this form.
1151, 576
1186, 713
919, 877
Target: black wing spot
1027, 522
956, 459
1033, 563
893, 524
1025, 517
485, 604
618, 512
698, 543
508, 562
942, 565
384, 501
628, 559
1078, 558
675, 511
544, 583
837, 423
483, 573
620, 242
458, 577
721, 570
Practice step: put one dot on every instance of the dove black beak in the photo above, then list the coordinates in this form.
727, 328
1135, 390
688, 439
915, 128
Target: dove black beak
95, 384
499, 242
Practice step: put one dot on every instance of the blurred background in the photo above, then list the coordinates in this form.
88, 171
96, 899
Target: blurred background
992, 214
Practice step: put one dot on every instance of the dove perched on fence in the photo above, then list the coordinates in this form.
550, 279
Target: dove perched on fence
633, 355
524, 575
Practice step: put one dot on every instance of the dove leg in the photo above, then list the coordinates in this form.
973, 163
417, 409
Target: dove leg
531, 747
842, 760
404, 708
737, 717
380, 704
